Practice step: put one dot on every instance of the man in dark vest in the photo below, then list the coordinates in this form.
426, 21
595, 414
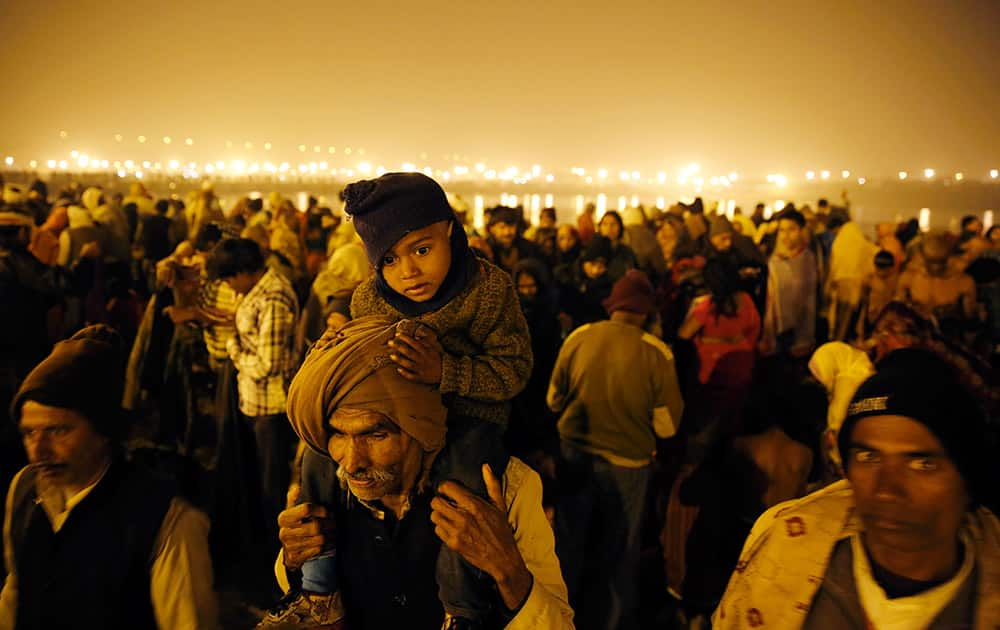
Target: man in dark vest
379, 435
90, 540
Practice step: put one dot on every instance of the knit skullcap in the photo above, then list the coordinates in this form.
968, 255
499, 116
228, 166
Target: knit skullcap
919, 385
386, 209
85, 373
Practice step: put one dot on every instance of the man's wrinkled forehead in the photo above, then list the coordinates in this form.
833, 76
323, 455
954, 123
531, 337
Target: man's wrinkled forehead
352, 420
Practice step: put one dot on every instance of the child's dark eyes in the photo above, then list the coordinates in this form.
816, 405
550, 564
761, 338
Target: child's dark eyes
423, 250
388, 260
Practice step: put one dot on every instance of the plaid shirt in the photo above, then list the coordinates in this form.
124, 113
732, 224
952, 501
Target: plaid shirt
216, 294
263, 348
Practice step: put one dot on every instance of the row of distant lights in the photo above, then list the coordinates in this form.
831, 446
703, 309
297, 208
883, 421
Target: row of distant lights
687, 175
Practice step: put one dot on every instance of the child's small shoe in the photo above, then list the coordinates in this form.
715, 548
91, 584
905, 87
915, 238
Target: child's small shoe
305, 610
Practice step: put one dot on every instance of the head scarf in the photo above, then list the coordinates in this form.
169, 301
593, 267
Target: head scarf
354, 371
347, 268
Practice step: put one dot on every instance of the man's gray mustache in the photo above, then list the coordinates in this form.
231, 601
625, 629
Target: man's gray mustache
378, 475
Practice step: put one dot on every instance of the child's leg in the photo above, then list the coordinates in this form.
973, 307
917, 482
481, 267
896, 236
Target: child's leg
319, 485
465, 591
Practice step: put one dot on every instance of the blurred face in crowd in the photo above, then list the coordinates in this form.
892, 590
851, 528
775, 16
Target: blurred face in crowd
594, 269
936, 265
418, 263
722, 242
994, 235
504, 233
609, 227
893, 332
885, 273
789, 236
910, 496
63, 445
243, 282
666, 236
547, 219
565, 238
527, 286
375, 458
975, 227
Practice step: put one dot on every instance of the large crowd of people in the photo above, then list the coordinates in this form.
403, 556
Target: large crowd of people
376, 415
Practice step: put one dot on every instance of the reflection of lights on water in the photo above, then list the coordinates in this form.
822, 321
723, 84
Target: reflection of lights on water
478, 220
925, 219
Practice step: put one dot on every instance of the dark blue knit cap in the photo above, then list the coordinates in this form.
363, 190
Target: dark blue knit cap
920, 385
386, 209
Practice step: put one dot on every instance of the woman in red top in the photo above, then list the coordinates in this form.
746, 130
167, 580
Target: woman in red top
724, 326
722, 322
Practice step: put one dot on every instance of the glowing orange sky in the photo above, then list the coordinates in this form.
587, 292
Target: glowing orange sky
754, 87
